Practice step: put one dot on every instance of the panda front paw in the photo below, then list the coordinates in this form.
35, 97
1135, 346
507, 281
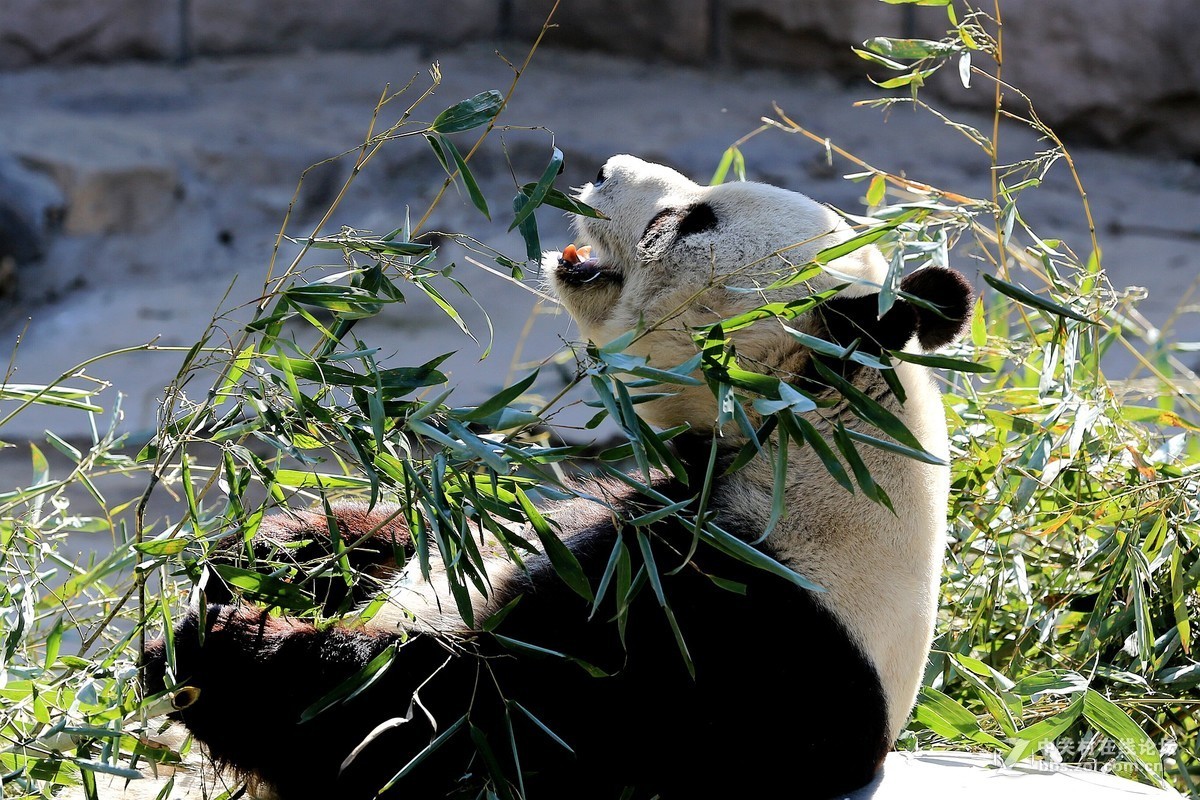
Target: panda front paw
244, 680
224, 669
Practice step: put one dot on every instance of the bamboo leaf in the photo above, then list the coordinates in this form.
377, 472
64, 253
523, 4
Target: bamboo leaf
893, 447
909, 49
265, 588
876, 190
350, 302
541, 725
1027, 297
1179, 607
528, 227
679, 642
1131, 739
862, 475
917, 76
559, 200
941, 362
781, 310
874, 413
609, 570
468, 179
861, 240
540, 190
421, 756
1030, 740
63, 396
561, 558
801, 430
731, 158
375, 669
498, 401
731, 545
359, 244
947, 717
469, 113
657, 514
1054, 681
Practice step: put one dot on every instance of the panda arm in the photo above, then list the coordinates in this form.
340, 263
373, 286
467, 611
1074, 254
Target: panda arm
377, 540
255, 676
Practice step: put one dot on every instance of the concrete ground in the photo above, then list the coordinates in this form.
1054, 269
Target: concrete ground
167, 186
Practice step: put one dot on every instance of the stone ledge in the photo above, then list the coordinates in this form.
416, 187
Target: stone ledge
112, 178
938, 774
930, 775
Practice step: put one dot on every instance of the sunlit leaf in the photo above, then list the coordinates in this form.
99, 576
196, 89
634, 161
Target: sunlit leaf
540, 190
941, 362
470, 113
1030, 299
265, 588
732, 157
559, 200
1131, 739
1029, 740
468, 179
564, 561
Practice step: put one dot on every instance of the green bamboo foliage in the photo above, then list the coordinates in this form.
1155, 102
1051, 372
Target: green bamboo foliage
1071, 589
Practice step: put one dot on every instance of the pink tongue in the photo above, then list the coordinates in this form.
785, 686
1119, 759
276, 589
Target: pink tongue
575, 255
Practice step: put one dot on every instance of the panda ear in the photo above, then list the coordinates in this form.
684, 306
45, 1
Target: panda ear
672, 224
949, 292
659, 234
945, 302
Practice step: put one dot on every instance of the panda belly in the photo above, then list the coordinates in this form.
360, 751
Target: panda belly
880, 569
888, 607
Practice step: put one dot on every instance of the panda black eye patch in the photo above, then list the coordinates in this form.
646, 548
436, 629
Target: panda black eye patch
698, 219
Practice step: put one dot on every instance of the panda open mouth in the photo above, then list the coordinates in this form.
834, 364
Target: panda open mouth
578, 267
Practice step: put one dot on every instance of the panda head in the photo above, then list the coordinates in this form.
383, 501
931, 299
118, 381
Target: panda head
672, 255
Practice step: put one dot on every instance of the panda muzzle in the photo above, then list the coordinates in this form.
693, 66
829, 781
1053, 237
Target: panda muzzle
578, 267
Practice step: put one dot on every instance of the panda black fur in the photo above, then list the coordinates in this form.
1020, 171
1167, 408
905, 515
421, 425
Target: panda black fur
836, 671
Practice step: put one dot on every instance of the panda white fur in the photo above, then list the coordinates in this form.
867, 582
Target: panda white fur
836, 671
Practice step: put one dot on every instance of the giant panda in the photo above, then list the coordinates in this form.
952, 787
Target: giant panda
790, 691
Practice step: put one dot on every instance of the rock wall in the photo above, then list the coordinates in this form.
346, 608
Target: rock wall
1110, 71
1120, 73
220, 27
76, 31
72, 31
